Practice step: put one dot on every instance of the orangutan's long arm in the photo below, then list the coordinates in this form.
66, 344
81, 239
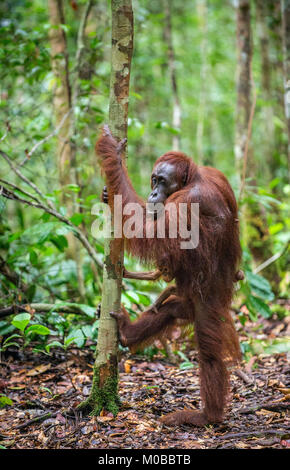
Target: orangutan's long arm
109, 152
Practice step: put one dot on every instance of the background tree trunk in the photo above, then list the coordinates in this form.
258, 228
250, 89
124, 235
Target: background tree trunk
65, 101
62, 91
176, 117
243, 82
285, 8
204, 80
104, 393
268, 112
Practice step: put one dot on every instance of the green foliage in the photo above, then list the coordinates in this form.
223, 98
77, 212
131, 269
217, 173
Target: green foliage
256, 291
21, 321
28, 333
256, 346
34, 245
5, 401
186, 363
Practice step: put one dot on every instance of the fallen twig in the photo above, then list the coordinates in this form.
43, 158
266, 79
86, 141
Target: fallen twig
246, 378
283, 434
265, 406
37, 419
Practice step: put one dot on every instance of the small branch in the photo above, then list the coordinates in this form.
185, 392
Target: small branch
248, 380
23, 178
271, 260
19, 189
41, 142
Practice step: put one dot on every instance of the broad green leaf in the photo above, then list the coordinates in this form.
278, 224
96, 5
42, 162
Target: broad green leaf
144, 299
92, 197
37, 329
77, 219
273, 229
87, 331
260, 286
186, 365
7, 340
182, 356
7, 345
68, 340
60, 242
21, 320
132, 295
279, 346
53, 344
73, 187
45, 217
40, 233
253, 314
88, 310
6, 328
77, 337
259, 306
33, 257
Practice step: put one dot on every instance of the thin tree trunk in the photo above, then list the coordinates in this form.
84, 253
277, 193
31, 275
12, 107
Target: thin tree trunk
252, 215
243, 111
176, 118
285, 9
104, 393
268, 113
62, 91
73, 133
204, 79
65, 100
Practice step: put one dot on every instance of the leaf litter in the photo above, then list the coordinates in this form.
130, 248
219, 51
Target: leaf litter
45, 391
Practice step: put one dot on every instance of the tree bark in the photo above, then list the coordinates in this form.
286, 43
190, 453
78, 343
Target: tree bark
204, 79
243, 82
65, 100
176, 115
268, 112
62, 90
285, 9
104, 393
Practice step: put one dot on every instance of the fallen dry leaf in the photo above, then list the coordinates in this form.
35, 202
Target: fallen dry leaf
127, 366
267, 413
38, 370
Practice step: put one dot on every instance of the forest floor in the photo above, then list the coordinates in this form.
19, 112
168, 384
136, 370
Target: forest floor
45, 391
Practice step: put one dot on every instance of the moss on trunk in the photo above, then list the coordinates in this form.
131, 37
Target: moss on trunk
104, 392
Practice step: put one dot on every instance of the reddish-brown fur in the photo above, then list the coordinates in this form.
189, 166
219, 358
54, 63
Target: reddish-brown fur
204, 276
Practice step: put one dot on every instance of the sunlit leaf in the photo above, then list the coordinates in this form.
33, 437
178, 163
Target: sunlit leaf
21, 320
